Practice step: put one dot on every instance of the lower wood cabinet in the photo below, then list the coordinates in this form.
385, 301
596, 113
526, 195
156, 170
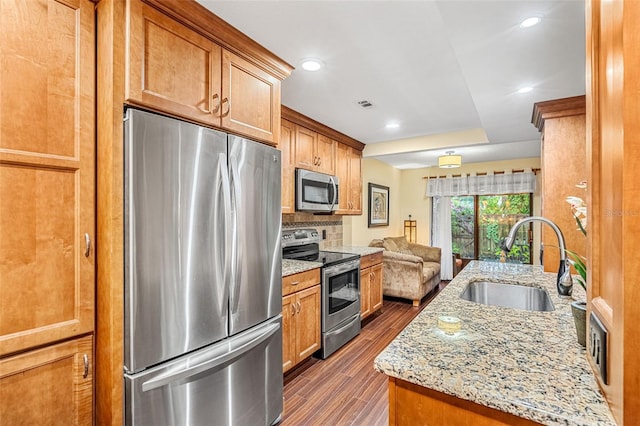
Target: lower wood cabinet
370, 284
301, 317
410, 404
48, 386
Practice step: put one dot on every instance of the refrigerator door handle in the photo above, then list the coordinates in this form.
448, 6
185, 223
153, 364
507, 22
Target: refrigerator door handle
223, 172
213, 364
234, 297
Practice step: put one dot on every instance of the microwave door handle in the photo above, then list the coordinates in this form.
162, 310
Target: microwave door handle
335, 193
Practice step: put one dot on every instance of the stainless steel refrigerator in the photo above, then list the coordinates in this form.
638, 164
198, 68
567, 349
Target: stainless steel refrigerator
203, 279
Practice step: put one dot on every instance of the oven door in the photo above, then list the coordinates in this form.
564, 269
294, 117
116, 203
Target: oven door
340, 293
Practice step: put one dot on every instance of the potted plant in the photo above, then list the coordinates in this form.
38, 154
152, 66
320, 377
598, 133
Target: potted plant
579, 308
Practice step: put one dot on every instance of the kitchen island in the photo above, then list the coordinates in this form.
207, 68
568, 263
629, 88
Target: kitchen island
504, 365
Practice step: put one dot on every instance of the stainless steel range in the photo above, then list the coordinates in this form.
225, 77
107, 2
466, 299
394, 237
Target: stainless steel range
340, 287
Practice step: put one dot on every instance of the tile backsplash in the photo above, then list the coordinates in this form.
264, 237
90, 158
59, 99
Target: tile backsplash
332, 225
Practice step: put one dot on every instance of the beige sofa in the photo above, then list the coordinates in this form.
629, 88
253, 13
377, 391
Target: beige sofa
410, 270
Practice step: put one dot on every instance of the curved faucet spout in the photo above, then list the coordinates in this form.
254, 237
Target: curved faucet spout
564, 282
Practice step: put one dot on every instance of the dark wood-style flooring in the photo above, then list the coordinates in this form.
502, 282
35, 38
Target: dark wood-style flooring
345, 389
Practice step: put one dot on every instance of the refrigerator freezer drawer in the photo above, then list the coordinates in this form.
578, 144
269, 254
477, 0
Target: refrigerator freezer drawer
234, 382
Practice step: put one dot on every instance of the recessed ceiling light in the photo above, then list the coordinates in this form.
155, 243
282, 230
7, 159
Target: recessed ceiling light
311, 64
392, 125
525, 89
530, 22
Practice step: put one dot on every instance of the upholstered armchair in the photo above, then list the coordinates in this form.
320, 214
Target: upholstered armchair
410, 271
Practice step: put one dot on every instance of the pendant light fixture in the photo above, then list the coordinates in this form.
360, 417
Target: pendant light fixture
449, 161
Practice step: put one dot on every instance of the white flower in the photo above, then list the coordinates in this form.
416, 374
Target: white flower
579, 208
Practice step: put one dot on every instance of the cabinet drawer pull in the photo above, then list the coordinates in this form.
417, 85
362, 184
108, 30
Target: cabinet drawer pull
87, 245
228, 102
216, 108
85, 359
295, 282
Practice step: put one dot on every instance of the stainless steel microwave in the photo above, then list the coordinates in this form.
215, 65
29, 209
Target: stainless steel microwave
316, 192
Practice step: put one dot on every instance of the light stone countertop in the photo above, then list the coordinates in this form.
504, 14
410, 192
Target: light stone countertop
525, 363
290, 266
361, 250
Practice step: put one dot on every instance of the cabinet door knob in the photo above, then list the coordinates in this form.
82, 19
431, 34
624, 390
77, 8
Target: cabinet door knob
293, 309
216, 108
298, 303
228, 102
87, 245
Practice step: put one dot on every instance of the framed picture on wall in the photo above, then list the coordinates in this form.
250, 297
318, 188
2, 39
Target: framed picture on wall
378, 205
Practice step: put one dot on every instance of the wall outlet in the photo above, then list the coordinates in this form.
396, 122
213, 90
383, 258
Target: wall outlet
598, 346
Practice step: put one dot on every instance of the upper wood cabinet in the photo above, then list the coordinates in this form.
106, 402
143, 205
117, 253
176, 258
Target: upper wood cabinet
355, 181
288, 148
349, 171
174, 69
325, 151
47, 172
314, 151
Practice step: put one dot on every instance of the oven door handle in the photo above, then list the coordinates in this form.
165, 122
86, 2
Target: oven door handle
342, 268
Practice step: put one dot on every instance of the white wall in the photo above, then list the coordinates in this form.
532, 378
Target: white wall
407, 195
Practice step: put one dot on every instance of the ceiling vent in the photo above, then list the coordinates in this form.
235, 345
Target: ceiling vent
365, 104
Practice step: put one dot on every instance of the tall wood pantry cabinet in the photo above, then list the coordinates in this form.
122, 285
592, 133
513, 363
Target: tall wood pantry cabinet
563, 159
47, 211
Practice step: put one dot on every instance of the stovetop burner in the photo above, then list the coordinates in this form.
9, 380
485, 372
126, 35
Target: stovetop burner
302, 244
329, 258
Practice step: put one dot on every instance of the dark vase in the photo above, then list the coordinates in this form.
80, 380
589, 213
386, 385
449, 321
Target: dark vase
579, 311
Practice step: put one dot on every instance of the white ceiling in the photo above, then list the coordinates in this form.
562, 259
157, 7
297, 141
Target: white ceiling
435, 67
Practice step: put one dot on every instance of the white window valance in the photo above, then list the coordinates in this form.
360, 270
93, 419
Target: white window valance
490, 184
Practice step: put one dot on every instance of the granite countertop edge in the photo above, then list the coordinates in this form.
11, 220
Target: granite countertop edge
524, 363
290, 266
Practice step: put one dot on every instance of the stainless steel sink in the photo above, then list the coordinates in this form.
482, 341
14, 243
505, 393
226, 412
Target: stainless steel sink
508, 295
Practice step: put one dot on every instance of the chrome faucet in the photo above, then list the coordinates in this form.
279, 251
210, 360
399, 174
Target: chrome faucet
564, 282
